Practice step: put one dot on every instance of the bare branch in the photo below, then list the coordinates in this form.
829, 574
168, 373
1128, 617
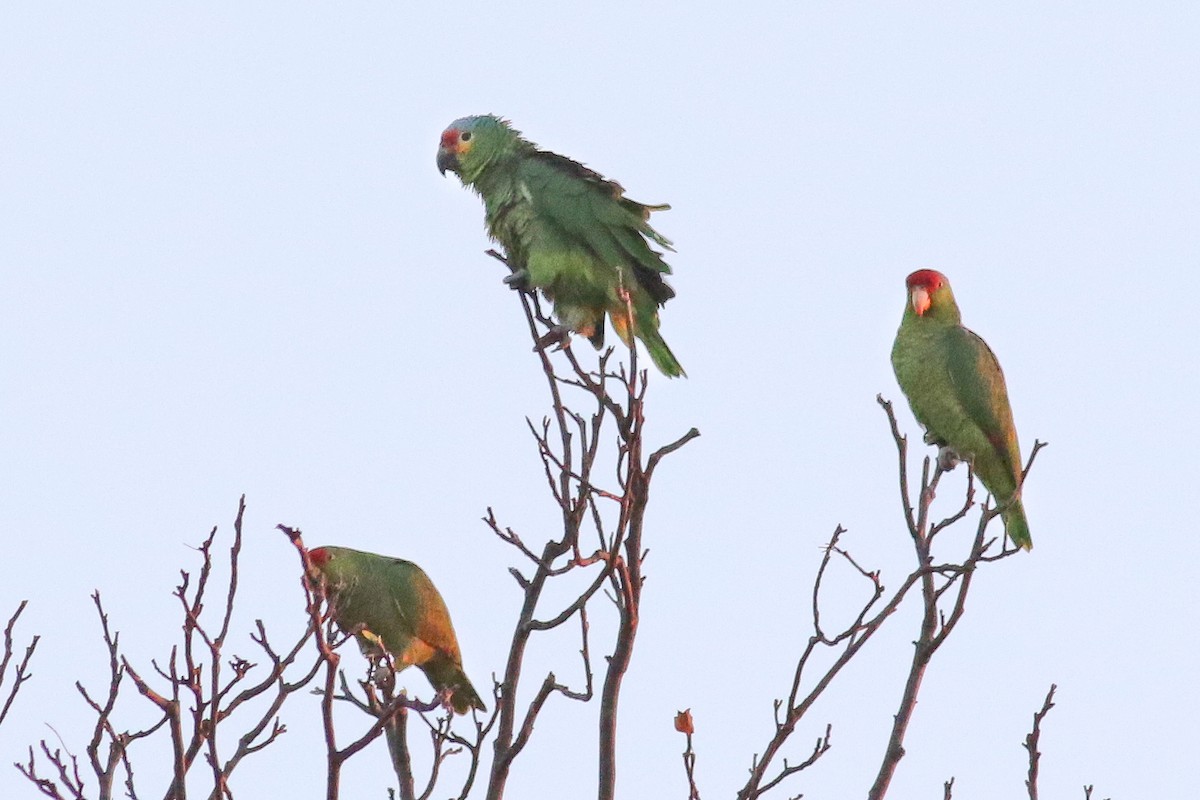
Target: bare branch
1031, 742
21, 671
936, 623
195, 691
943, 590
819, 749
685, 725
569, 446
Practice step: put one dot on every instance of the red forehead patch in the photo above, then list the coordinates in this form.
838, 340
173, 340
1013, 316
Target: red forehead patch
320, 556
449, 137
929, 279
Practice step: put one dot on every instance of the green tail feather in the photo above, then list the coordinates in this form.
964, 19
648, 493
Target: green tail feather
660, 354
465, 698
443, 674
1016, 526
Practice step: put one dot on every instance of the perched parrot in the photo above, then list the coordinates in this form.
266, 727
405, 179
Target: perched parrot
391, 602
956, 389
567, 231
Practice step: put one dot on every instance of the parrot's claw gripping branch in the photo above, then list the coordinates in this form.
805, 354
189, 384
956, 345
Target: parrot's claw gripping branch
518, 279
947, 459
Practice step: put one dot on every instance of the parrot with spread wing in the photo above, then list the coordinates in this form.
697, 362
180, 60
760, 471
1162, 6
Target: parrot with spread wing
391, 604
956, 390
567, 231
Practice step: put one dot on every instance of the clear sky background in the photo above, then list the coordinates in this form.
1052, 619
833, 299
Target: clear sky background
228, 264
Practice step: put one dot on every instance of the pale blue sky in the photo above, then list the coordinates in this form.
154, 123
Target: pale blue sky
229, 265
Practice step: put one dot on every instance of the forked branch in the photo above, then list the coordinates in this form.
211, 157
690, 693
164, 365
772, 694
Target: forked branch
569, 444
20, 673
942, 588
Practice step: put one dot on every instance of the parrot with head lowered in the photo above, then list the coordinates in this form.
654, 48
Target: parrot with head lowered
956, 390
391, 604
567, 231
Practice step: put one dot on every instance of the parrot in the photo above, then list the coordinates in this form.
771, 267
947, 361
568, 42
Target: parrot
956, 390
568, 231
390, 603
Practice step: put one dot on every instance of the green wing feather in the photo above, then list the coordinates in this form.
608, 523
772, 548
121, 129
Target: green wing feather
585, 233
609, 206
393, 603
581, 209
978, 383
418, 609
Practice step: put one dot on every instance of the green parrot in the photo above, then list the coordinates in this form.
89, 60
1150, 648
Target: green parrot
567, 231
956, 390
392, 603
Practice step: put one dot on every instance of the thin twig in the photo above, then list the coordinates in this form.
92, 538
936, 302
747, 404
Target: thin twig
21, 672
685, 725
1031, 743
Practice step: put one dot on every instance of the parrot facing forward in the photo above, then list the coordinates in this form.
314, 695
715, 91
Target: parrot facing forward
956, 390
391, 602
567, 231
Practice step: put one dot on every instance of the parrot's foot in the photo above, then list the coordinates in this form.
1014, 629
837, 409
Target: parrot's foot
382, 675
947, 459
519, 280
559, 335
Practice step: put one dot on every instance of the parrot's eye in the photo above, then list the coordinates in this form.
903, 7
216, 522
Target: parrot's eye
466, 136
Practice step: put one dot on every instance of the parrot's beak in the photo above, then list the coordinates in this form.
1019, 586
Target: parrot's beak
447, 160
920, 300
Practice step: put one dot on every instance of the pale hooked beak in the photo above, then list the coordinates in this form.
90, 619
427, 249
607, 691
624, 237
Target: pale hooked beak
919, 297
